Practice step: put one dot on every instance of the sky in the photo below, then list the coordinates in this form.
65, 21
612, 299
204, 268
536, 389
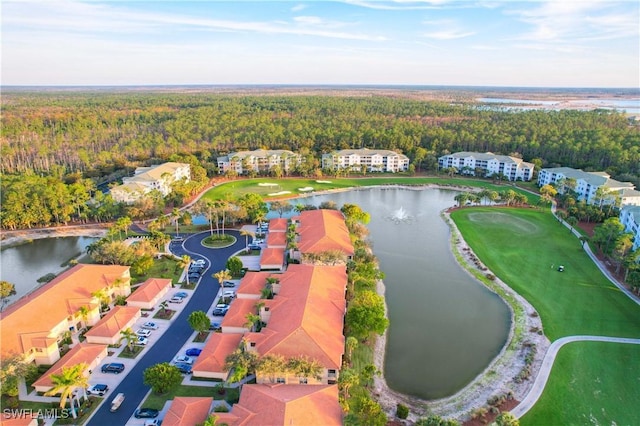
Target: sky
559, 43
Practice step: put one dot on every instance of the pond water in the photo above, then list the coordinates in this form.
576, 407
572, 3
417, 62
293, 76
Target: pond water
445, 327
22, 265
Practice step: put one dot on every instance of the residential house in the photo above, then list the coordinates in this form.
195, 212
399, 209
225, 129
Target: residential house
372, 160
188, 410
71, 302
146, 179
211, 361
107, 330
235, 321
305, 318
320, 231
630, 218
488, 164
149, 293
92, 355
277, 404
259, 161
592, 187
252, 284
272, 259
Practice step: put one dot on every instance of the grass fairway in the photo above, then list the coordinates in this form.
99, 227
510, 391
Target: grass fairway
290, 187
524, 248
591, 383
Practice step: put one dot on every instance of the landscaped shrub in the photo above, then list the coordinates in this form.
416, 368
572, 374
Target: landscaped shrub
402, 411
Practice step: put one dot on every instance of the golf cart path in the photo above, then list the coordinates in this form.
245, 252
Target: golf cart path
545, 369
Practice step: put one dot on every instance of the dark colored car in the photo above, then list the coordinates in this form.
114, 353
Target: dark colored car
146, 413
228, 284
254, 247
215, 326
193, 352
220, 310
183, 367
99, 389
114, 367
194, 276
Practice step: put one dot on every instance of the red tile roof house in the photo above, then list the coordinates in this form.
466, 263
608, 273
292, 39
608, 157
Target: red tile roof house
272, 259
38, 337
252, 284
92, 355
107, 330
278, 225
149, 293
305, 318
262, 404
235, 321
277, 240
210, 363
321, 231
188, 410
21, 418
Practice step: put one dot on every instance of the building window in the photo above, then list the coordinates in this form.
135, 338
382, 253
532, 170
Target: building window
281, 380
303, 381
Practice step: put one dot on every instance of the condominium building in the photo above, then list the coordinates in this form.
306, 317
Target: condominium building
259, 161
487, 164
630, 218
592, 187
147, 179
375, 160
35, 325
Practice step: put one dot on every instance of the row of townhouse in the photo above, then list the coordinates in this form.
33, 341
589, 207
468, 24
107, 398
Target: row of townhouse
304, 317
259, 161
591, 187
630, 218
35, 326
147, 179
487, 164
373, 160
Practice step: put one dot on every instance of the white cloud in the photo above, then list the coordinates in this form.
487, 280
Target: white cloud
445, 29
298, 7
448, 35
398, 4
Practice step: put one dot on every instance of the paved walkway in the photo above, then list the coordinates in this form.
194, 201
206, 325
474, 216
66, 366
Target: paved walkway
545, 370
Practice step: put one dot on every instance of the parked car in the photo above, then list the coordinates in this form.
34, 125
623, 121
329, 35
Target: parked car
254, 247
150, 325
201, 262
114, 367
196, 269
229, 293
146, 413
99, 389
220, 309
183, 359
175, 299
152, 422
193, 352
194, 276
182, 294
228, 284
183, 367
257, 241
215, 326
143, 332
142, 341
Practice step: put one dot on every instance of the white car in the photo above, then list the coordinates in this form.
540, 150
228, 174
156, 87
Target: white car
229, 293
142, 341
184, 359
199, 262
143, 332
150, 325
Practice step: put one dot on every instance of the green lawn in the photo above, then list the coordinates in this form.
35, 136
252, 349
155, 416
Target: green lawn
592, 383
240, 187
524, 247
156, 401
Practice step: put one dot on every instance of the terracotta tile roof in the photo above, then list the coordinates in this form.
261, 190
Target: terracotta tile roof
215, 352
187, 410
82, 352
280, 404
323, 230
237, 314
278, 225
253, 282
272, 257
59, 298
148, 290
309, 317
112, 323
23, 420
275, 239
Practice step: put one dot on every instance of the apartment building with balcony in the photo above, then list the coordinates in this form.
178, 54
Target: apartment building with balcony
487, 164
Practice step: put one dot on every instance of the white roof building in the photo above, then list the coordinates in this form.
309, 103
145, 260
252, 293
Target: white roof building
375, 160
147, 179
259, 160
630, 218
469, 163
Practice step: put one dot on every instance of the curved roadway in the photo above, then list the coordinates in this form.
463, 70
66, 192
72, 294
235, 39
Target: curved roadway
163, 350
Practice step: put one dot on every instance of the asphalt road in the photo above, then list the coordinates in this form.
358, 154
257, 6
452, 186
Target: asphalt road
177, 333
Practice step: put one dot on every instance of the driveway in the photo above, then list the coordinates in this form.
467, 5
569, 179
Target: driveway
176, 335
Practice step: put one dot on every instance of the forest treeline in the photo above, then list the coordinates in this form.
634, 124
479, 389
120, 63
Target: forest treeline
58, 147
93, 133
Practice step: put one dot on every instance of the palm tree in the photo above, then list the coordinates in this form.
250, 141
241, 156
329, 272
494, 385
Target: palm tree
164, 305
129, 336
183, 263
67, 382
209, 421
83, 313
350, 344
175, 214
222, 276
253, 322
103, 296
246, 234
